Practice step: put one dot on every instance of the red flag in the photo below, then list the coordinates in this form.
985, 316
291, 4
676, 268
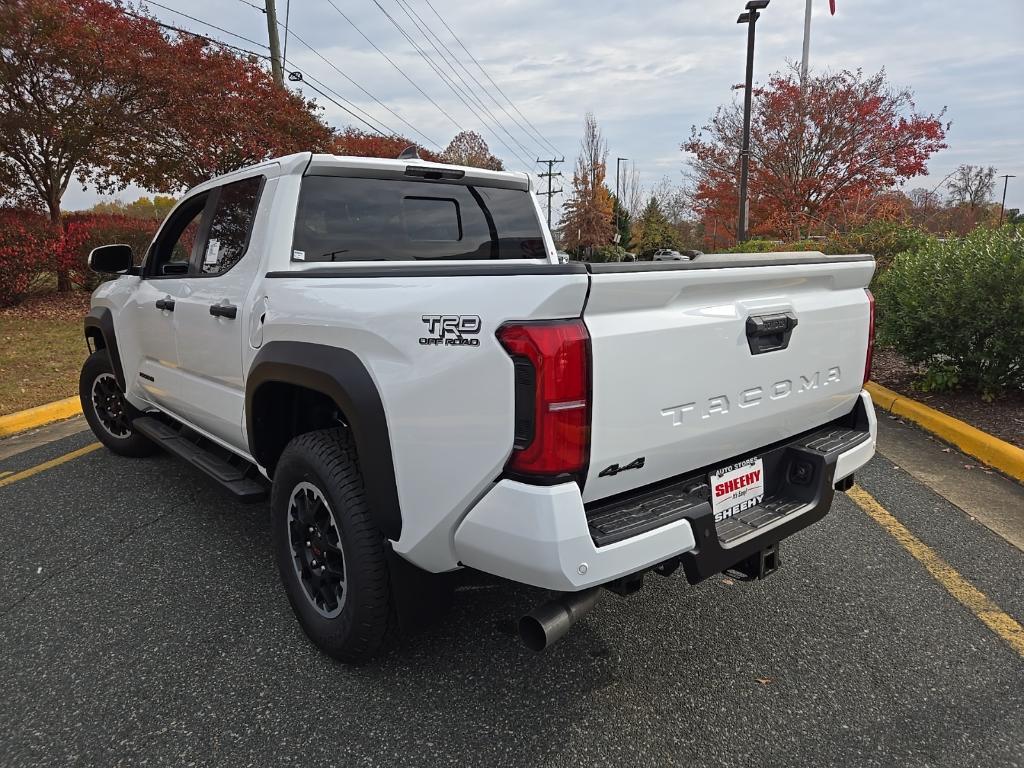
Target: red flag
832, 6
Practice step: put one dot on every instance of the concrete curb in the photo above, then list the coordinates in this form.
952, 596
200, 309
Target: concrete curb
36, 417
991, 450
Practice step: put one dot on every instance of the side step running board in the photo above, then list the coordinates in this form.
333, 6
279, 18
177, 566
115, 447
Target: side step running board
229, 471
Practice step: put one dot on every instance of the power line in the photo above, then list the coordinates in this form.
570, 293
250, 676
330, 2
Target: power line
287, 17
205, 24
388, 130
445, 79
446, 51
431, 36
392, 63
333, 66
489, 78
249, 52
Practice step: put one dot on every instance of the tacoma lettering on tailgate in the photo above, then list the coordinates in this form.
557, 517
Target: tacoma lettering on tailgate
754, 396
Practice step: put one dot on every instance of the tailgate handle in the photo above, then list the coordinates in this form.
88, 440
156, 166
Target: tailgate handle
768, 333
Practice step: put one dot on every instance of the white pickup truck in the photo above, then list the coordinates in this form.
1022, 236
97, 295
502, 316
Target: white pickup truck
394, 351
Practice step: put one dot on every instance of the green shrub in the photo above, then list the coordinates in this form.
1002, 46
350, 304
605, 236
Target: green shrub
757, 246
607, 253
958, 308
883, 239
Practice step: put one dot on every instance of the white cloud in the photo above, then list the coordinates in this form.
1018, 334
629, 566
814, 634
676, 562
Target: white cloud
651, 70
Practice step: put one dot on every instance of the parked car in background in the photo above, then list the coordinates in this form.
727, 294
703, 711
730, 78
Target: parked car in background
669, 254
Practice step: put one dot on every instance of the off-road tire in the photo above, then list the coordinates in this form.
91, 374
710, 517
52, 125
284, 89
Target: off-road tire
101, 397
326, 460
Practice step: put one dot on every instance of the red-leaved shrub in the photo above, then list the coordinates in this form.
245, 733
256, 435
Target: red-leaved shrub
27, 241
85, 231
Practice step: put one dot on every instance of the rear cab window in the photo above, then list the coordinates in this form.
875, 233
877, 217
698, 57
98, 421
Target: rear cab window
343, 218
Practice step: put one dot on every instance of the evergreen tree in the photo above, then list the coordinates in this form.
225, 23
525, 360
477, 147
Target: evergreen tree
655, 230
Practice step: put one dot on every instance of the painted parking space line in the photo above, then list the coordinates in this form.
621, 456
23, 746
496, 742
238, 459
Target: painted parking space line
15, 477
976, 601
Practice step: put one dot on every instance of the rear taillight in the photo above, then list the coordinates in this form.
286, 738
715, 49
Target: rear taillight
871, 335
552, 396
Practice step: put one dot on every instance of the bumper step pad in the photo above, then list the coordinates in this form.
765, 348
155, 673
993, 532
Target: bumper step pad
772, 509
643, 513
800, 475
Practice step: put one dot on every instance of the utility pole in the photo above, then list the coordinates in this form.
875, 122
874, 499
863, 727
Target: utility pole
549, 176
1002, 207
275, 43
750, 19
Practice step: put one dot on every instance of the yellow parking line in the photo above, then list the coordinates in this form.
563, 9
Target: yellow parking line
13, 478
972, 598
5, 474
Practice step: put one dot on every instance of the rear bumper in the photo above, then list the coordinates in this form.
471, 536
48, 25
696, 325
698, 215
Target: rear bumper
545, 536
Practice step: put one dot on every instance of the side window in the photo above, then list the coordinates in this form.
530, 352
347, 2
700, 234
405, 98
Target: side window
172, 250
230, 226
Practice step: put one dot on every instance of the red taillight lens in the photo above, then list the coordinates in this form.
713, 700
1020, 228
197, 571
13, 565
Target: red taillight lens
871, 335
552, 363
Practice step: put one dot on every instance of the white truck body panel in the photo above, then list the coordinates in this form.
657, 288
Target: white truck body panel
672, 378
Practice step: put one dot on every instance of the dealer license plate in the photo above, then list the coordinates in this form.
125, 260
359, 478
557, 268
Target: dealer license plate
736, 488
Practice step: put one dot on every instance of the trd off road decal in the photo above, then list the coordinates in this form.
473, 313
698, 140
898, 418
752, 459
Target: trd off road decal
451, 330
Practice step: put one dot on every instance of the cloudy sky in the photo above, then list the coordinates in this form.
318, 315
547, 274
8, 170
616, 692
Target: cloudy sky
648, 70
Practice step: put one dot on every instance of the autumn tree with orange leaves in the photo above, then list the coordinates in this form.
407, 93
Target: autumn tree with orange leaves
94, 94
587, 219
469, 148
357, 143
816, 154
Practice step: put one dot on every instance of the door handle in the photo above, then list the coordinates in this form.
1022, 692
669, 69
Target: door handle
229, 311
166, 303
770, 333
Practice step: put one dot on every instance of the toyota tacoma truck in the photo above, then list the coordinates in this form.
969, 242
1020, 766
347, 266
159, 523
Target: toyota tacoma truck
392, 351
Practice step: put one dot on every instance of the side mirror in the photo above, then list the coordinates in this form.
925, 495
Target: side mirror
111, 259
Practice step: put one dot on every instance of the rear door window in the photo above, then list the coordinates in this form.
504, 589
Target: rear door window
351, 219
230, 226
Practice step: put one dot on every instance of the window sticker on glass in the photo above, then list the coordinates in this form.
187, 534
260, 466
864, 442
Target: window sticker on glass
212, 251
299, 255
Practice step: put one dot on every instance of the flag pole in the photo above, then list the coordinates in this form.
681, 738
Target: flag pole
807, 44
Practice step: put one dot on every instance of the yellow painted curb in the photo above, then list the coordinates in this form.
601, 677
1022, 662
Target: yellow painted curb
37, 417
971, 440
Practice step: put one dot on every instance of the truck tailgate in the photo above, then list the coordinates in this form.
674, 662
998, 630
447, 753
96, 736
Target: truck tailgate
675, 380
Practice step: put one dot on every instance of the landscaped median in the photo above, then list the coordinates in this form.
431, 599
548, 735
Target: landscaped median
990, 450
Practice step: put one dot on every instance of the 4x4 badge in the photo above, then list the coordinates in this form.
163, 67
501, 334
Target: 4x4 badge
614, 469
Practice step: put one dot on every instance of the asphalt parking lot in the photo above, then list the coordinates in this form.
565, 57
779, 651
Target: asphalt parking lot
143, 624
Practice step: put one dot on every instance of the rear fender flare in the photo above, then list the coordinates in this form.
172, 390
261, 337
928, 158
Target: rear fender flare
340, 375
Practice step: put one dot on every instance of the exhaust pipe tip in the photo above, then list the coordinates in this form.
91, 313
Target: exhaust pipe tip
532, 633
548, 623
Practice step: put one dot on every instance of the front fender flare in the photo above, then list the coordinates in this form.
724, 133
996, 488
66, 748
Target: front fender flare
100, 321
340, 375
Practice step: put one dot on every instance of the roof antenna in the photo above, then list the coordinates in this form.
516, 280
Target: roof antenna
410, 153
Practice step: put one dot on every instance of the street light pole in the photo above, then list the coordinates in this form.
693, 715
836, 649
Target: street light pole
1002, 207
618, 199
750, 19
807, 45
